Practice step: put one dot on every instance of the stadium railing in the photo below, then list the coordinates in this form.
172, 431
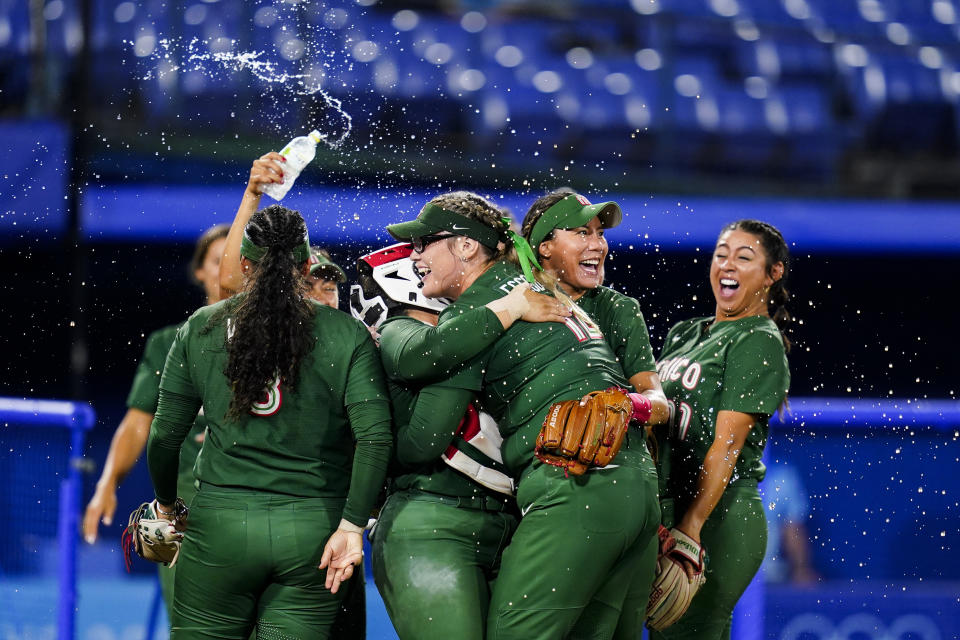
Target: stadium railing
20, 454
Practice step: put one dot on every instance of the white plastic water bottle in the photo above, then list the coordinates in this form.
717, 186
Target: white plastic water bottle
298, 152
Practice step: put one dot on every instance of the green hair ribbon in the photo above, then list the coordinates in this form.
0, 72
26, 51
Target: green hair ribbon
528, 259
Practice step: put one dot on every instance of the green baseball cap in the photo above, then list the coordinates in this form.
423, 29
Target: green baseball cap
328, 269
572, 212
433, 219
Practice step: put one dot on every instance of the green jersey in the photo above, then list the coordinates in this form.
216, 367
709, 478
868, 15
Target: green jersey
621, 322
295, 442
705, 368
403, 345
145, 392
531, 367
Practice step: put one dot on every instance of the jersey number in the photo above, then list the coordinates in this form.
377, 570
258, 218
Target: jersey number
583, 329
683, 424
272, 402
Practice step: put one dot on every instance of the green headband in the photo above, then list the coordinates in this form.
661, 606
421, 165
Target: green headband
571, 212
254, 253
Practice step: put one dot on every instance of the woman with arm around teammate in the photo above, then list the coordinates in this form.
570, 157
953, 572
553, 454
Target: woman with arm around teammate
581, 539
725, 375
566, 234
297, 444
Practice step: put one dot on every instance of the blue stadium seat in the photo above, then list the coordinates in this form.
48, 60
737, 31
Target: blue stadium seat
921, 20
769, 13
807, 108
787, 57
889, 78
847, 18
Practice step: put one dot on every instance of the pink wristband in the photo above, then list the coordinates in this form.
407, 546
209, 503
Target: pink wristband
642, 407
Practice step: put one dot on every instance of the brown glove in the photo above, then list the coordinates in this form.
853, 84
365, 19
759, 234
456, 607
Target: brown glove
579, 434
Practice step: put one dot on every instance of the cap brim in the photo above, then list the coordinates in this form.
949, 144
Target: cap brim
407, 231
608, 213
334, 272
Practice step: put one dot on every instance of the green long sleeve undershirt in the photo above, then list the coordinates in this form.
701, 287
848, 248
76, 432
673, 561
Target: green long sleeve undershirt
167, 434
435, 418
412, 351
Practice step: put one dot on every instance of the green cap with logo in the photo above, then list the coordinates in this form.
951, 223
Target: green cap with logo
434, 219
571, 212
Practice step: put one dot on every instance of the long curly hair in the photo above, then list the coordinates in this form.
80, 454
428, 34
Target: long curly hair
777, 251
272, 322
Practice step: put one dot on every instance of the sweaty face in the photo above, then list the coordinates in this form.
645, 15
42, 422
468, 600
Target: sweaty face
739, 277
324, 291
209, 272
576, 257
441, 272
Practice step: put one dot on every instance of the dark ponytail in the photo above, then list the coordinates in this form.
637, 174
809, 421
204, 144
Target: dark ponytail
777, 251
272, 324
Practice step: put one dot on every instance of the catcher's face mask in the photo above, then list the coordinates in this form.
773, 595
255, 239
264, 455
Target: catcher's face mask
388, 282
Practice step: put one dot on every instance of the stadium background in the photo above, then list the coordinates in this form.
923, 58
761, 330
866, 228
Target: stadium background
127, 128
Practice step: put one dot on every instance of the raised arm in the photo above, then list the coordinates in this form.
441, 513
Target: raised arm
267, 169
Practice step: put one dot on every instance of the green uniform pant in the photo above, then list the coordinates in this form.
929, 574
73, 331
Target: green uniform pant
433, 561
250, 559
186, 489
583, 546
735, 539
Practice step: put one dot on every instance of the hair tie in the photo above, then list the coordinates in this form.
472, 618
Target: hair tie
527, 258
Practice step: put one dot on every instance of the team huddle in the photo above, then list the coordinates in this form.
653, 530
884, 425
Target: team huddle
492, 414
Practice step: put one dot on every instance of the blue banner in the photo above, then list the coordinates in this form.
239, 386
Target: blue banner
343, 215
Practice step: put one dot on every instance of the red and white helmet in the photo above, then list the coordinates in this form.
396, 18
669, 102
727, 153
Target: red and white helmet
388, 281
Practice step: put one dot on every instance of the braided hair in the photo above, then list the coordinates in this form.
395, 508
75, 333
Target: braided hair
273, 319
776, 250
476, 207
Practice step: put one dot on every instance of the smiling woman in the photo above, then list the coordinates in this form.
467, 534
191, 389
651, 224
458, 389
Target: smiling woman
609, 514
724, 375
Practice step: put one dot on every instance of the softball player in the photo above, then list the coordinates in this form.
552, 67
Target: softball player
286, 466
453, 513
725, 376
325, 275
566, 233
580, 536
130, 437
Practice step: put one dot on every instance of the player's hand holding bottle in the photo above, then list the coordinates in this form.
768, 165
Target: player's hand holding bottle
267, 169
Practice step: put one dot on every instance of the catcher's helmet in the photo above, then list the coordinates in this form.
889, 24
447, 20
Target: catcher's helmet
388, 283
